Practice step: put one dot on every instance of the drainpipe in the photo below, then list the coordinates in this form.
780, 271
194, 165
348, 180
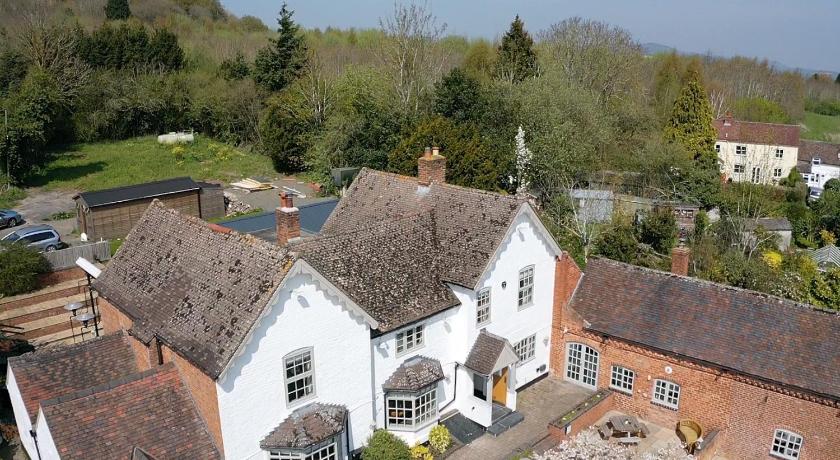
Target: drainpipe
34, 435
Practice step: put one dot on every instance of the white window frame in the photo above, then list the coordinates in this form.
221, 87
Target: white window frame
755, 178
780, 153
742, 167
717, 148
423, 405
410, 339
482, 307
622, 379
526, 349
327, 450
664, 392
307, 356
525, 293
582, 362
777, 172
740, 150
786, 444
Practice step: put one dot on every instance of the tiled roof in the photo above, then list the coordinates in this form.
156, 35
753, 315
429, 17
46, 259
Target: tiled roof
747, 332
771, 224
485, 353
827, 152
52, 372
200, 291
468, 224
138, 191
152, 410
307, 426
732, 130
414, 374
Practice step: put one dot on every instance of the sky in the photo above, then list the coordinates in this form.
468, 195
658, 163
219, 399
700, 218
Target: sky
803, 33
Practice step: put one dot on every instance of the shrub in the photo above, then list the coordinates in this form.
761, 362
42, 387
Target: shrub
440, 439
19, 268
421, 452
383, 445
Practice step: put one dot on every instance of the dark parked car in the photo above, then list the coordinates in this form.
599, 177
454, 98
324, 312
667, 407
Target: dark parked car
9, 218
43, 237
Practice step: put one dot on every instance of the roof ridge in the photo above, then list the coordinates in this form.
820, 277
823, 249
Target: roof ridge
116, 383
661, 273
378, 225
443, 184
758, 122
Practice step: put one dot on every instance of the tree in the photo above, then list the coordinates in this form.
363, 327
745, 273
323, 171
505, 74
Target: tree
617, 241
837, 80
588, 444
281, 62
666, 85
516, 59
659, 230
410, 54
20, 266
234, 68
523, 162
164, 51
691, 119
458, 97
760, 109
284, 131
117, 10
827, 208
383, 445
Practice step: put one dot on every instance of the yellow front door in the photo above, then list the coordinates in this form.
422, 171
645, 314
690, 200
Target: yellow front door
500, 384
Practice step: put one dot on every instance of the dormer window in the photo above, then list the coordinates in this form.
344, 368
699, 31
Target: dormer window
816, 161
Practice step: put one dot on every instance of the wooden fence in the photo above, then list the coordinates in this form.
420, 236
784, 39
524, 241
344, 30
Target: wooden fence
66, 258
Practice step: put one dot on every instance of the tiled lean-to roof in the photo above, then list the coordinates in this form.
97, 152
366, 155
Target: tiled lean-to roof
751, 333
199, 290
414, 374
150, 410
306, 427
56, 371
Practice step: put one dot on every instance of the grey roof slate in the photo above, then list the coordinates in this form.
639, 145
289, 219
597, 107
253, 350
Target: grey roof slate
485, 353
197, 289
138, 191
771, 224
306, 427
748, 332
414, 374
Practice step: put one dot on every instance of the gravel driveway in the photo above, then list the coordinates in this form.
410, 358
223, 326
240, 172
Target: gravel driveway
39, 205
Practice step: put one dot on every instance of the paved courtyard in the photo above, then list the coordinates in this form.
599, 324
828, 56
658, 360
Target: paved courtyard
658, 438
540, 403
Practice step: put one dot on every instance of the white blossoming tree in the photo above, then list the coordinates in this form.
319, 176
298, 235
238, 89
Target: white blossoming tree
588, 445
523, 162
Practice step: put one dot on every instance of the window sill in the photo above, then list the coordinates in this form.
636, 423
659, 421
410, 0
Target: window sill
432, 421
623, 391
526, 306
665, 406
298, 402
522, 363
408, 352
480, 325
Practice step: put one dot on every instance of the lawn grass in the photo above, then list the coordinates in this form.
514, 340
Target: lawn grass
10, 197
821, 127
102, 165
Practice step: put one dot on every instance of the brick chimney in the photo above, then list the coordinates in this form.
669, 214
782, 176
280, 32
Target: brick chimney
288, 220
680, 257
431, 167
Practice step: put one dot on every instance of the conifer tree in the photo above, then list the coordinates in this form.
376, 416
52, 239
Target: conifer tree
281, 62
837, 80
516, 57
117, 10
691, 119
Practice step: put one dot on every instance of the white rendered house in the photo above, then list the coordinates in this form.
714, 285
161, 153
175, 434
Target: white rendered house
419, 300
761, 153
820, 162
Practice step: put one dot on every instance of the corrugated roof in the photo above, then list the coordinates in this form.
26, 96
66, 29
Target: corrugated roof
755, 334
137, 192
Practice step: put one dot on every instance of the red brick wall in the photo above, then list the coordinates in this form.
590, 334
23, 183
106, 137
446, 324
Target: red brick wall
566, 277
60, 276
203, 390
745, 414
558, 433
112, 320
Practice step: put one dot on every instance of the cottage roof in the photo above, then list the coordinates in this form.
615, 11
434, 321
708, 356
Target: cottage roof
306, 427
489, 353
747, 332
150, 410
137, 192
827, 152
56, 371
414, 374
729, 129
197, 289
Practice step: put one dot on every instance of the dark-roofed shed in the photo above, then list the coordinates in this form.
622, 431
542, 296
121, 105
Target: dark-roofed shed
112, 213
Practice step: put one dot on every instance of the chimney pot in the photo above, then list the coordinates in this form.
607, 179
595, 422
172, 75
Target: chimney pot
431, 167
680, 257
286, 200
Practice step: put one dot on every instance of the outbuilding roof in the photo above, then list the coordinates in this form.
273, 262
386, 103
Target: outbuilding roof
750, 333
137, 192
731, 130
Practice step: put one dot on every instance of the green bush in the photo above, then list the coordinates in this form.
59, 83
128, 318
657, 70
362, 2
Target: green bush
440, 439
19, 268
383, 445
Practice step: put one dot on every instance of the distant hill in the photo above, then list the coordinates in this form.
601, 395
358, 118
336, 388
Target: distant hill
651, 48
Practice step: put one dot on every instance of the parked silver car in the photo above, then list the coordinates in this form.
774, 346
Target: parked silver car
9, 218
43, 237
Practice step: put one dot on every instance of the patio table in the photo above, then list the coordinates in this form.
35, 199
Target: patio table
625, 424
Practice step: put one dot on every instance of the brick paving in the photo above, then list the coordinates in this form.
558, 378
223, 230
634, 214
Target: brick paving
540, 403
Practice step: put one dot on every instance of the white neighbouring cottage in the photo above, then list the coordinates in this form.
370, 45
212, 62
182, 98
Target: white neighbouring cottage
761, 153
418, 299
819, 162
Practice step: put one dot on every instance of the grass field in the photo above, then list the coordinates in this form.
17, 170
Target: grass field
112, 164
821, 127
